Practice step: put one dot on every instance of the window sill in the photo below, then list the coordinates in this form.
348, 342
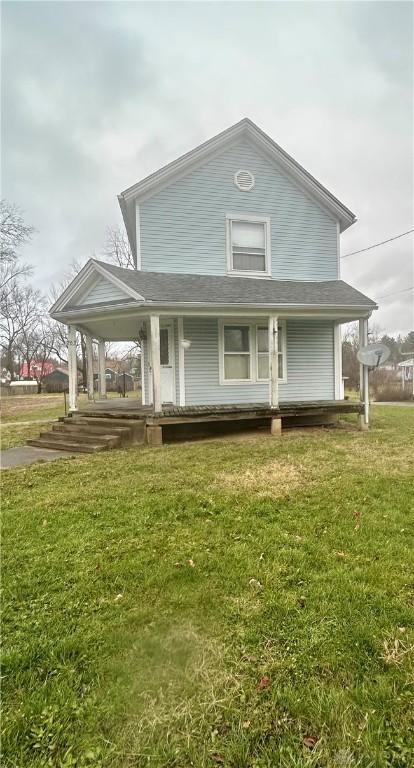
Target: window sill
241, 273
237, 382
267, 381
231, 382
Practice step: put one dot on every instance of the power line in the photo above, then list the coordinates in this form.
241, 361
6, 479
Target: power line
377, 244
394, 293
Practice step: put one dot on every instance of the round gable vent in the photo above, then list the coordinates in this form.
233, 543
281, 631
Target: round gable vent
244, 180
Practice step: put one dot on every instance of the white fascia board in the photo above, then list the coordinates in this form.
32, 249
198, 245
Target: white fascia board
73, 287
90, 268
297, 171
252, 310
127, 210
164, 174
180, 167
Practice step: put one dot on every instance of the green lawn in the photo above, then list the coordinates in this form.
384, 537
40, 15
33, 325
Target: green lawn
17, 434
239, 602
21, 415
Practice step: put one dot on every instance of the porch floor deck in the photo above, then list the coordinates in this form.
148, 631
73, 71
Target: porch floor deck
178, 422
124, 408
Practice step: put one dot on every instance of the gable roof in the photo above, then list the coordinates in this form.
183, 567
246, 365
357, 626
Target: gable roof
245, 128
85, 280
160, 289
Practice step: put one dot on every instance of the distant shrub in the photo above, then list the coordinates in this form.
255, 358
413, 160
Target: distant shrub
394, 392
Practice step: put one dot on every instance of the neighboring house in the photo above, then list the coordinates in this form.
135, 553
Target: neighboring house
23, 387
406, 372
37, 369
114, 381
236, 296
125, 381
111, 379
56, 381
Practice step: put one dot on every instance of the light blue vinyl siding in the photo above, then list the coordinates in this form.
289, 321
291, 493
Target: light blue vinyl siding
182, 227
100, 292
310, 365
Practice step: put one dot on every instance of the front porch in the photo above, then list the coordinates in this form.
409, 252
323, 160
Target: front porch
181, 422
217, 346
204, 369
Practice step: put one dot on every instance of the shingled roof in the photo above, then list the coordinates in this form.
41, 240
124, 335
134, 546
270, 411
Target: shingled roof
160, 288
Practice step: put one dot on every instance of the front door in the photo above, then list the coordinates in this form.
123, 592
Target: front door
167, 364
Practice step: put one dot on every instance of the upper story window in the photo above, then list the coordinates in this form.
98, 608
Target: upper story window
248, 246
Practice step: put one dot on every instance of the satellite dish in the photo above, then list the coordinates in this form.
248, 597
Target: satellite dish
373, 355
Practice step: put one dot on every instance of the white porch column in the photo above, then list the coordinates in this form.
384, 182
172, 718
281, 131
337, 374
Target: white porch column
101, 370
89, 366
363, 375
155, 363
339, 389
72, 369
274, 361
181, 360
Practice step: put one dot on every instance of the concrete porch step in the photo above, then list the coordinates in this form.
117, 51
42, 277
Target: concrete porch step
43, 442
88, 434
80, 437
135, 426
109, 413
76, 426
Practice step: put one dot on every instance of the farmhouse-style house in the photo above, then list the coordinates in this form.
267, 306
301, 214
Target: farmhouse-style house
236, 297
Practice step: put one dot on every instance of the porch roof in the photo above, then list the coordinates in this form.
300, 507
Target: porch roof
174, 289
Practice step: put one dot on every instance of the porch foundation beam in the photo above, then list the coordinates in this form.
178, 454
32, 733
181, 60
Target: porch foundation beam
89, 365
101, 370
72, 369
155, 362
273, 361
363, 376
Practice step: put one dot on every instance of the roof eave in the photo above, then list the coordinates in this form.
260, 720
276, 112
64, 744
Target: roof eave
151, 307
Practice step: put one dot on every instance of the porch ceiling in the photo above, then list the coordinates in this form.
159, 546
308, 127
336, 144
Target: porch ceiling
113, 325
120, 328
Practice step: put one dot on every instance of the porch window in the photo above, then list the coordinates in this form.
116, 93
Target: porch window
236, 353
262, 352
248, 246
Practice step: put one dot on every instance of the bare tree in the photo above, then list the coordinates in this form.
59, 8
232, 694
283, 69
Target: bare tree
60, 331
13, 234
36, 344
21, 310
117, 248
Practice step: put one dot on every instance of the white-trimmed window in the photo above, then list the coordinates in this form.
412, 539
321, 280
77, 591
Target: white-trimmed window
262, 352
236, 347
248, 246
244, 352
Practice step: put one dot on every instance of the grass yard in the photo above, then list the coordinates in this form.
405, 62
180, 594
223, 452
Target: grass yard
246, 603
24, 416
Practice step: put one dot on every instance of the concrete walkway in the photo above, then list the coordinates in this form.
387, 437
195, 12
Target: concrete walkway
26, 423
27, 454
398, 402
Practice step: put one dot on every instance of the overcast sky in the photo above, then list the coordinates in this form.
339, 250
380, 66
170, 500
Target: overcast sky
97, 95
